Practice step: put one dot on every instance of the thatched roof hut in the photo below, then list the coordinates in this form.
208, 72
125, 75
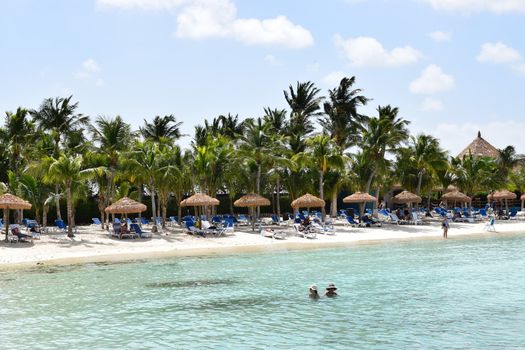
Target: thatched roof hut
479, 148
359, 197
252, 200
501, 195
125, 205
308, 201
456, 196
199, 199
9, 201
407, 197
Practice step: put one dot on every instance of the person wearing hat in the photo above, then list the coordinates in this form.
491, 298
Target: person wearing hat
330, 290
312, 292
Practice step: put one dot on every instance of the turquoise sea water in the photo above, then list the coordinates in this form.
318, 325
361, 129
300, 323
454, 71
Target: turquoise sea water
460, 293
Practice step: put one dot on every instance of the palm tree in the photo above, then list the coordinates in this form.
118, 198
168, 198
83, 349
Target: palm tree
59, 116
17, 135
382, 135
342, 121
69, 171
323, 155
476, 174
507, 160
427, 155
165, 127
304, 102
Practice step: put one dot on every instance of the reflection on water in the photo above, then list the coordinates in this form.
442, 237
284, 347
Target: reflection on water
411, 295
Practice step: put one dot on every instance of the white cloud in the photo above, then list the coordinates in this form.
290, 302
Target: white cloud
440, 36
369, 52
470, 6
272, 60
431, 104
498, 53
202, 19
333, 79
432, 81
140, 4
89, 71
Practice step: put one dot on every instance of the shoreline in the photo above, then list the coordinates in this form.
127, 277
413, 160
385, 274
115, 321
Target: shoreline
82, 249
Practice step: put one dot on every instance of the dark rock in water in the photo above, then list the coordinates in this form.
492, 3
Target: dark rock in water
194, 283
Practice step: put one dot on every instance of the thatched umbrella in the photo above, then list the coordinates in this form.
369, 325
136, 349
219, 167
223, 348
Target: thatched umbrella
361, 198
406, 197
125, 206
502, 195
252, 200
456, 196
308, 201
9, 201
199, 200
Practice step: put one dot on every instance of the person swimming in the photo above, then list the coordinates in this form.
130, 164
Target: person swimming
312, 292
330, 290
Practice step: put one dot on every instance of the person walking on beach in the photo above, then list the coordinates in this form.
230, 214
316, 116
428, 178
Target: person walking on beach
312, 292
445, 226
330, 290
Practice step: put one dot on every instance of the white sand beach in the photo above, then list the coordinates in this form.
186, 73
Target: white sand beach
92, 244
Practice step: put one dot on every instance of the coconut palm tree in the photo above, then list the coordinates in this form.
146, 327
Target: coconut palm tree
383, 134
321, 154
69, 171
17, 134
59, 117
476, 174
427, 156
165, 127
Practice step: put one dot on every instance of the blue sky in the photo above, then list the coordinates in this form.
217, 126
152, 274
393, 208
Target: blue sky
451, 66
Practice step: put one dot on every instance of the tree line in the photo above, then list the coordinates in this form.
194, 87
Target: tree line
319, 144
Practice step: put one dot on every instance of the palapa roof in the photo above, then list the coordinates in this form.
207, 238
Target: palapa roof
199, 199
359, 197
9, 201
308, 201
500, 195
456, 196
479, 148
407, 197
126, 205
252, 200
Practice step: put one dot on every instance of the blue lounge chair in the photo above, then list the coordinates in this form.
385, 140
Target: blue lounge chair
96, 221
136, 228
351, 221
243, 219
513, 214
61, 225
276, 220
116, 221
144, 221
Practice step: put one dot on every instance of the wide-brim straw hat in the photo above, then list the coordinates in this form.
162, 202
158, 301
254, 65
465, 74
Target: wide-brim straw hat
199, 199
407, 197
125, 205
359, 197
252, 200
308, 201
9, 201
331, 286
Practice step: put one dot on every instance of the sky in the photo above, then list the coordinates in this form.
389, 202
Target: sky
453, 67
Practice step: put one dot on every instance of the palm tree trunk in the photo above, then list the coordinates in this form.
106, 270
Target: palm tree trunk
258, 185
141, 193
6, 222
231, 205
153, 207
321, 194
333, 204
278, 204
69, 211
369, 182
102, 217
164, 213
44, 216
57, 202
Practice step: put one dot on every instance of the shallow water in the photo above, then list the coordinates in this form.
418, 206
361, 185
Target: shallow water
460, 293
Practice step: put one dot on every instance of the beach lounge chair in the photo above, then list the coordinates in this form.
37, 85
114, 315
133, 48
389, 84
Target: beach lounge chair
136, 228
276, 220
96, 221
328, 228
513, 215
415, 219
351, 221
117, 228
209, 228
483, 214
272, 233
490, 225
243, 220
61, 225
305, 233
144, 221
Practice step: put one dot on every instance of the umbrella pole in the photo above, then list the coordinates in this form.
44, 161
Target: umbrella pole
6, 222
253, 218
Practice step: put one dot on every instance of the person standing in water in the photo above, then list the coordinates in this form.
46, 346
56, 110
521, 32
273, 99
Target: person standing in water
312, 292
445, 226
330, 290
